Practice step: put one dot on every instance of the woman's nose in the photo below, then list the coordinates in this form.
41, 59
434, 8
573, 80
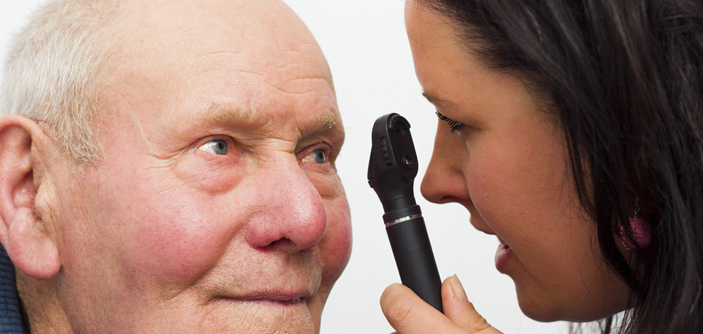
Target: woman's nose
444, 179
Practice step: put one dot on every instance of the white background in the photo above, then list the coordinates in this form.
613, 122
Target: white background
368, 52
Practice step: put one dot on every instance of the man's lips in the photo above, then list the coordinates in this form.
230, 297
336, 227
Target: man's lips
266, 296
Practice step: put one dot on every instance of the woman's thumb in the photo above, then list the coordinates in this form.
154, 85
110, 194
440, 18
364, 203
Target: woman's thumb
458, 308
409, 314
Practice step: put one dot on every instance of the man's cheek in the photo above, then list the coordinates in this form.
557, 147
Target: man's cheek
337, 242
178, 243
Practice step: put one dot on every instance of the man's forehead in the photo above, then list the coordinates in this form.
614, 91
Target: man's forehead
213, 48
260, 20
207, 35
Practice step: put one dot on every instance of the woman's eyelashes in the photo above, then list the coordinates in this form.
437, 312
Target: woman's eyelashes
454, 125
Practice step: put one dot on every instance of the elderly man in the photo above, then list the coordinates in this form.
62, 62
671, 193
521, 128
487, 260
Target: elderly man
168, 167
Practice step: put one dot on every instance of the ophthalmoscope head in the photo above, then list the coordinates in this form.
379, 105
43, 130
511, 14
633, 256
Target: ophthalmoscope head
393, 163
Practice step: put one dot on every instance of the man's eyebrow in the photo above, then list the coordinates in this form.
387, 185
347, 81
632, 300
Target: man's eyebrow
325, 124
228, 113
329, 122
233, 114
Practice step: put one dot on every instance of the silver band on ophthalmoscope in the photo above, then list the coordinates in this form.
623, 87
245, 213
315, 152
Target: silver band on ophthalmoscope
403, 219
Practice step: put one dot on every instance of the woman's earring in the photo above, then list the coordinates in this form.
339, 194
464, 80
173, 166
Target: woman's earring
641, 232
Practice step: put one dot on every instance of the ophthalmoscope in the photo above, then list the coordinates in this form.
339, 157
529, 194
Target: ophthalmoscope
392, 170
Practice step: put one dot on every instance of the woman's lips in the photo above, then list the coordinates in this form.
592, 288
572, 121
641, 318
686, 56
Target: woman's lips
503, 255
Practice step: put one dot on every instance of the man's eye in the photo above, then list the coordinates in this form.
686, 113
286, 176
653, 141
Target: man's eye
318, 156
215, 146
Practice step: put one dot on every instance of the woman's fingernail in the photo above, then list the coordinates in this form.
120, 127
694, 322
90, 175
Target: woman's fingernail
458, 289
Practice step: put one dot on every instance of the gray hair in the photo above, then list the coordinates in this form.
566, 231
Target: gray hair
52, 74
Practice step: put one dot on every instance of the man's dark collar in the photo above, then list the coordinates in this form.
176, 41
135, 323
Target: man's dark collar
10, 314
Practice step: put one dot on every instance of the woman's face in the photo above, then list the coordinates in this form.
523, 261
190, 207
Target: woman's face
508, 166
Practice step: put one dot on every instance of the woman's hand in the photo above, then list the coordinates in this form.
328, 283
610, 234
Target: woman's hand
409, 314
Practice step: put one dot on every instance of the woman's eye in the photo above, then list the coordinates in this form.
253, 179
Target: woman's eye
215, 146
318, 156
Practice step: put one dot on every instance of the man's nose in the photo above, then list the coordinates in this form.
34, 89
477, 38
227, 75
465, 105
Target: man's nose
290, 214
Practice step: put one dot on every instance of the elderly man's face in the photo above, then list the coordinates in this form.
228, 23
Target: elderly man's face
217, 207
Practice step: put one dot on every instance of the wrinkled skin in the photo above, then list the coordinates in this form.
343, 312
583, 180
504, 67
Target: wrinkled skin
216, 206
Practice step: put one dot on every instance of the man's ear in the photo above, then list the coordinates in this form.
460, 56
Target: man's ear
28, 241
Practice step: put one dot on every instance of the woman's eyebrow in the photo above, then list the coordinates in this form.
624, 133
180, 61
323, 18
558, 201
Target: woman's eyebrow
434, 99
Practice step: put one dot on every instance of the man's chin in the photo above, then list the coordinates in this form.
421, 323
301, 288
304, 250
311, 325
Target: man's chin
263, 316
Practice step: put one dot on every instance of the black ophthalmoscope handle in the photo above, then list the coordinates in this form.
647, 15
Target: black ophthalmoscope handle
392, 170
413, 256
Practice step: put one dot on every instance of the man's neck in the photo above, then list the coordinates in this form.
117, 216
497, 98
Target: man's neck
40, 301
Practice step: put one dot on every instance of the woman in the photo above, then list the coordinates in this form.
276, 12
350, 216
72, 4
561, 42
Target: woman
572, 130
